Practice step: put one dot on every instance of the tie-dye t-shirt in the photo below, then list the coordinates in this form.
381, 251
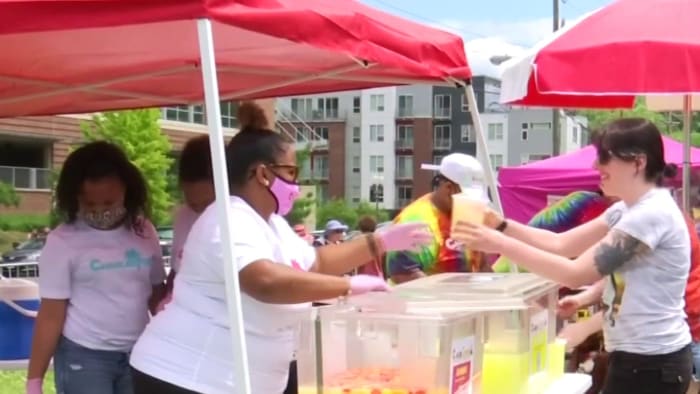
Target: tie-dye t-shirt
443, 255
571, 211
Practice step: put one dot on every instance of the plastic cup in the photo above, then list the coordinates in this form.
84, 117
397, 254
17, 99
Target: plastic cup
468, 209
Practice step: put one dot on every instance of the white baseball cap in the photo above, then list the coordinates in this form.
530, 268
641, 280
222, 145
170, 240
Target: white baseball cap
462, 169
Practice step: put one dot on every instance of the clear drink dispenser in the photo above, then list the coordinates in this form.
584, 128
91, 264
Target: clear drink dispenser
388, 344
521, 353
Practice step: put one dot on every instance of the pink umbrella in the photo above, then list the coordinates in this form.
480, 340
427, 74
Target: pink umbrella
629, 48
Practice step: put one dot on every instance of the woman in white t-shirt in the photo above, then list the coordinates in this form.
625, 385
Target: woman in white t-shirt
187, 347
99, 273
640, 246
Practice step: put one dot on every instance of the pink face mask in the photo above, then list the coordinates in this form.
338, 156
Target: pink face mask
285, 193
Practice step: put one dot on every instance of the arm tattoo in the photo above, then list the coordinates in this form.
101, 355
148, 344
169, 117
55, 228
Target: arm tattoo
621, 248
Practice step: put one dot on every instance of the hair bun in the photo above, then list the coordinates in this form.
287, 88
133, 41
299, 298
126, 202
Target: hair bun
251, 115
670, 170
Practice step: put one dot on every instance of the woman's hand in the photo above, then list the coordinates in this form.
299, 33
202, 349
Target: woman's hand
360, 284
35, 386
478, 238
405, 236
568, 305
493, 219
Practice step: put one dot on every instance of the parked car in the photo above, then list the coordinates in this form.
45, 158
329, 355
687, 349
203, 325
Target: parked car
21, 260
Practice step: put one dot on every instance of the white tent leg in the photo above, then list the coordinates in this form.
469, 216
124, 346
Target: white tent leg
216, 141
687, 120
483, 147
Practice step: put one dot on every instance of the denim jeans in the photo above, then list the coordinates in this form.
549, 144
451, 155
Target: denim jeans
695, 347
643, 374
79, 370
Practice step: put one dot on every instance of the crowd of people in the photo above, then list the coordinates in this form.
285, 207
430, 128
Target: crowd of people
115, 324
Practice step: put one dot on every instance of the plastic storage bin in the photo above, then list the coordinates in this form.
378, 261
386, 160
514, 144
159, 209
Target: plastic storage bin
379, 345
520, 325
19, 301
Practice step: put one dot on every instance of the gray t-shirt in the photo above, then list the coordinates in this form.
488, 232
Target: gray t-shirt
644, 298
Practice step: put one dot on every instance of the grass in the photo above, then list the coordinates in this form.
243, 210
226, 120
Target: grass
12, 382
6, 240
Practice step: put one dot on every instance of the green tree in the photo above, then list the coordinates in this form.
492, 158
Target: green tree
302, 206
8, 195
368, 209
138, 133
337, 209
597, 118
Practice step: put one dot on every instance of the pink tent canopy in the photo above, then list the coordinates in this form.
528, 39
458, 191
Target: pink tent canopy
524, 189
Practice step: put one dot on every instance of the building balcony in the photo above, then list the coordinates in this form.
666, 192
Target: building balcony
403, 144
404, 112
442, 144
404, 173
316, 115
26, 178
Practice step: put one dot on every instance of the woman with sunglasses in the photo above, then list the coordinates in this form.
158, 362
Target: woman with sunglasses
640, 246
187, 347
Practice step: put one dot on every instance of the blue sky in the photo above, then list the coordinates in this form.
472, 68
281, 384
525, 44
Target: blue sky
489, 27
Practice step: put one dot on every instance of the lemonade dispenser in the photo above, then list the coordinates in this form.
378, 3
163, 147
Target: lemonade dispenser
380, 343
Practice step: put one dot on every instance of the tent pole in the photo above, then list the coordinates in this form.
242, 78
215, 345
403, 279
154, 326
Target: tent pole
687, 120
216, 143
483, 148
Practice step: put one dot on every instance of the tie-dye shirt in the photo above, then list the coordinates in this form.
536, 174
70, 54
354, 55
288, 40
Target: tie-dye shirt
443, 255
571, 211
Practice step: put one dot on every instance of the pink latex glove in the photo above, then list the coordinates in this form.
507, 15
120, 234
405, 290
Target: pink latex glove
405, 236
360, 284
35, 386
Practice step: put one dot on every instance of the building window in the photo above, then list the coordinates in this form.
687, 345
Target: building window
198, 115
356, 194
465, 102
523, 135
495, 131
496, 161
321, 133
541, 126
302, 107
405, 106
443, 106
356, 134
404, 167
538, 157
376, 164
524, 127
356, 164
467, 133
441, 136
376, 102
356, 107
437, 159
228, 114
574, 132
178, 113
327, 108
404, 137
322, 193
195, 114
376, 193
404, 195
320, 166
376, 133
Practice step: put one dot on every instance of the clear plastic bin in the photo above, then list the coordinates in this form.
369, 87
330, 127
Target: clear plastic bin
521, 354
380, 344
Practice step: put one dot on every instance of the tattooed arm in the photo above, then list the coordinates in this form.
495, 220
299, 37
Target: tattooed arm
603, 258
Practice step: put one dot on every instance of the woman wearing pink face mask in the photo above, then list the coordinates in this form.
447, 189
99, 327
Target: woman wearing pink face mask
186, 348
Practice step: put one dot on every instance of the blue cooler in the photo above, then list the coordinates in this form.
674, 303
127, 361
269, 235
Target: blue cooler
19, 301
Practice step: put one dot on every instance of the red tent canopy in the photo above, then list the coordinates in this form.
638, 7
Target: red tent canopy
92, 55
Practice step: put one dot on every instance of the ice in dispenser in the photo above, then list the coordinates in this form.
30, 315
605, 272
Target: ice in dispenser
520, 325
388, 344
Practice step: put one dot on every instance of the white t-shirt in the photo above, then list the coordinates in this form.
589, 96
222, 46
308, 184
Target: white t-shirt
189, 345
184, 219
107, 278
645, 300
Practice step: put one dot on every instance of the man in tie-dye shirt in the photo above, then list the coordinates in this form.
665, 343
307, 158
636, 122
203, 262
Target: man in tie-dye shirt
455, 172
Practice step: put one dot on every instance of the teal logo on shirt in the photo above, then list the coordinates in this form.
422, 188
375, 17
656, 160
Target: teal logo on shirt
132, 259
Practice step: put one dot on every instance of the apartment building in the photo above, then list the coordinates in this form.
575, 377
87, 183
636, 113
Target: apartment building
519, 136
31, 147
371, 143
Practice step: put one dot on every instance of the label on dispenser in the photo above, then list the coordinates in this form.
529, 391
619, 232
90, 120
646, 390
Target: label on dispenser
461, 365
538, 341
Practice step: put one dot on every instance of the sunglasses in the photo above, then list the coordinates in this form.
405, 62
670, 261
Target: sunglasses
605, 155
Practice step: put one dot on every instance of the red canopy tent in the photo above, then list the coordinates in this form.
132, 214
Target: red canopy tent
78, 56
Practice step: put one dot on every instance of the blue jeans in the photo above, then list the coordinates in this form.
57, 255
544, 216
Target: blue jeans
79, 370
695, 347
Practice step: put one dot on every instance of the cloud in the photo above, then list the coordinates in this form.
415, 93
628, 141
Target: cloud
485, 39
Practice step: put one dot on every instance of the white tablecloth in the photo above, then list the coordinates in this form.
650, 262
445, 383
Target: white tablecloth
571, 383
